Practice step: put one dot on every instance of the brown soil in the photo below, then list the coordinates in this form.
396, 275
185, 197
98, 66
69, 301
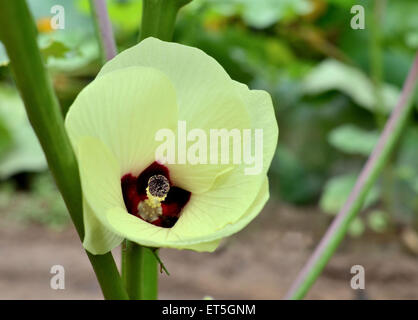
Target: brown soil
258, 263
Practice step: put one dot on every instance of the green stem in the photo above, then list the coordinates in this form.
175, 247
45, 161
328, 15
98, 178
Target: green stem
140, 272
18, 33
159, 17
365, 181
376, 69
376, 65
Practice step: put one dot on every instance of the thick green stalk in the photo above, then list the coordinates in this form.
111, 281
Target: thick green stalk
365, 181
18, 33
140, 272
159, 17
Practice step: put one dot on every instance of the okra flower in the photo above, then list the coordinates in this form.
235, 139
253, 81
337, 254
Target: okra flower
121, 120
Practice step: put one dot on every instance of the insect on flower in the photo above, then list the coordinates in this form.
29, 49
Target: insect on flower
130, 193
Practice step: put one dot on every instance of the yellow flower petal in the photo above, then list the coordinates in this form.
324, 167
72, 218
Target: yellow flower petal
250, 214
97, 238
201, 84
227, 201
262, 115
233, 193
206, 98
124, 110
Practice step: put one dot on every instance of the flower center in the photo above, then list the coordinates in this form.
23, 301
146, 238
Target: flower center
158, 187
150, 209
152, 197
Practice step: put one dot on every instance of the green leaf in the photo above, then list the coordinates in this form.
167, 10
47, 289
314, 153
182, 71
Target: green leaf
378, 221
411, 39
25, 153
43, 205
334, 75
4, 59
262, 13
77, 59
5, 138
414, 185
407, 162
400, 22
125, 15
337, 190
343, 3
351, 139
55, 49
293, 181
356, 228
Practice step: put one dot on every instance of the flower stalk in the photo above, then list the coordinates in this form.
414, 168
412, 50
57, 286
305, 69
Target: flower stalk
140, 271
18, 34
365, 181
159, 17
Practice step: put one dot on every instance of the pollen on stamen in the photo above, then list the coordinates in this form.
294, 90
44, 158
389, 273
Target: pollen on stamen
158, 186
149, 212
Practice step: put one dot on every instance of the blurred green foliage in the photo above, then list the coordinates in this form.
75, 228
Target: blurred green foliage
20, 150
43, 205
332, 86
338, 188
334, 75
351, 139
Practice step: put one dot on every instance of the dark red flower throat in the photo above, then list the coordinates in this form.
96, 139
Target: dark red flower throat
134, 190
